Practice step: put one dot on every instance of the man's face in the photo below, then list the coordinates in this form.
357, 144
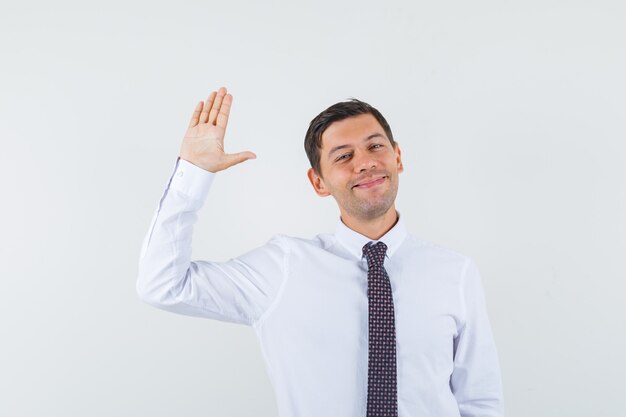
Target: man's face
359, 167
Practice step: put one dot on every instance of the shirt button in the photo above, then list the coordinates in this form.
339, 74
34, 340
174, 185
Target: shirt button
180, 173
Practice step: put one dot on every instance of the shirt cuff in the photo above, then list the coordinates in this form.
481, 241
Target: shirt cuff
191, 180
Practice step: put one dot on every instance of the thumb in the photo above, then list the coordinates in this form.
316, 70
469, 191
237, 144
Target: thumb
236, 158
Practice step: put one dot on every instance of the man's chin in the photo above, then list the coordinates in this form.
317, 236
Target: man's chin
372, 211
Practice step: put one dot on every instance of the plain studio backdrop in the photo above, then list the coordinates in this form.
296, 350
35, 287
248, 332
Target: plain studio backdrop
510, 117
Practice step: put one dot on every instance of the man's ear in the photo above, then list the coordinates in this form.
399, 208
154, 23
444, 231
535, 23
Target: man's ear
399, 158
317, 182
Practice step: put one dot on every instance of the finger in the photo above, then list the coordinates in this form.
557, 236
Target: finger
195, 117
237, 158
222, 117
207, 107
216, 105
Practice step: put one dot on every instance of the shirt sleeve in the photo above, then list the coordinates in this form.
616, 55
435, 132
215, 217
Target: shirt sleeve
239, 290
476, 378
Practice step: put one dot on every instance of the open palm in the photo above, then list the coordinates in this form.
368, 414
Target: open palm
203, 144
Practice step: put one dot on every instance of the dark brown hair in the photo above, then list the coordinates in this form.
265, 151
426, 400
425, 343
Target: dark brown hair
336, 112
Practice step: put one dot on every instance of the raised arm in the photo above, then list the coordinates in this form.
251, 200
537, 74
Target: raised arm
239, 290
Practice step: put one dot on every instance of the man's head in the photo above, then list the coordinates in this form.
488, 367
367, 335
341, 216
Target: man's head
354, 158
337, 112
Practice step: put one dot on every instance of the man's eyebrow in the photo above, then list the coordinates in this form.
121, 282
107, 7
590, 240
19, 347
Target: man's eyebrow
370, 137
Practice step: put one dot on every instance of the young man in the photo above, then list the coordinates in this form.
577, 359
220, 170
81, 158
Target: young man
367, 321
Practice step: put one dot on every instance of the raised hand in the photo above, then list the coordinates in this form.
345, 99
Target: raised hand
203, 144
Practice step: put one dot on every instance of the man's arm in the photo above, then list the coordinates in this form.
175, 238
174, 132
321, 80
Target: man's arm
476, 379
238, 290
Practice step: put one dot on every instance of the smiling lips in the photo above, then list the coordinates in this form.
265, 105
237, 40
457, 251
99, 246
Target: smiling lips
371, 183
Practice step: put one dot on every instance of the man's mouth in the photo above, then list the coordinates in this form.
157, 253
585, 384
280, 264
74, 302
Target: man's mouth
371, 182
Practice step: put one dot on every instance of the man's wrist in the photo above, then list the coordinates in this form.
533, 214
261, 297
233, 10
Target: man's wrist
191, 180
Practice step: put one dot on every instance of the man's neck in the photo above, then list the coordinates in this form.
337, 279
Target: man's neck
372, 228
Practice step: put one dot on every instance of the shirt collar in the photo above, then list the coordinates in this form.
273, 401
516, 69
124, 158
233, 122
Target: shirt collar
354, 241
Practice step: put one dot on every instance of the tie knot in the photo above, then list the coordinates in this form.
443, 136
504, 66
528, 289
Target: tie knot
375, 253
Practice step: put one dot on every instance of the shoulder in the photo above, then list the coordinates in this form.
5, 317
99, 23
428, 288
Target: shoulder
418, 243
322, 241
434, 252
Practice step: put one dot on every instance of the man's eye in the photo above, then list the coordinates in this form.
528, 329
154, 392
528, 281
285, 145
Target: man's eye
341, 157
377, 144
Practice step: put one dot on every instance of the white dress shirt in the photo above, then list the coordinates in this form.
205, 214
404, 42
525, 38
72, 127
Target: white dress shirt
306, 299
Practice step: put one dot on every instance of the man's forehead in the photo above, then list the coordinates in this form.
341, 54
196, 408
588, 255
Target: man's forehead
355, 128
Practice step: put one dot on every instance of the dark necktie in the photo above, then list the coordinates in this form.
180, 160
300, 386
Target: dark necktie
382, 397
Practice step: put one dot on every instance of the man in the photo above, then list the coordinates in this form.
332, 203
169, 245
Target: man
368, 321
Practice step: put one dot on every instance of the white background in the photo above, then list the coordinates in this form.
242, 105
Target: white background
510, 118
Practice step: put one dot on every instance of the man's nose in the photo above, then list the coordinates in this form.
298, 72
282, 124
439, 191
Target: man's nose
364, 161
